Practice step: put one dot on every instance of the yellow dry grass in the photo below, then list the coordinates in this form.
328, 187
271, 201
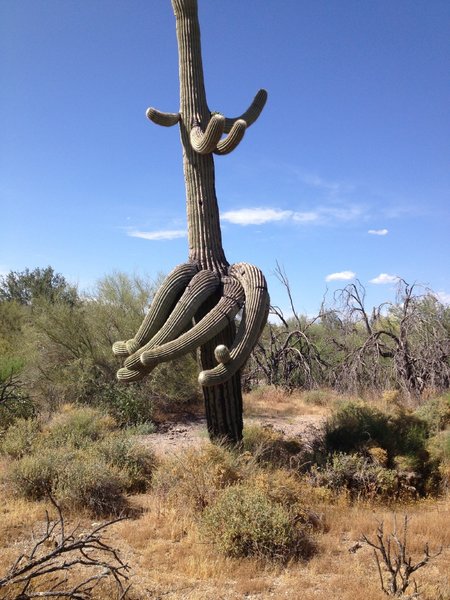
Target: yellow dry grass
170, 559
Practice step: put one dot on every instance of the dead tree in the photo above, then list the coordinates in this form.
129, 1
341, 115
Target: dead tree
206, 290
395, 565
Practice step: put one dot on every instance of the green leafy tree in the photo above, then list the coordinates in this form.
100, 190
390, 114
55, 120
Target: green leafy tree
26, 286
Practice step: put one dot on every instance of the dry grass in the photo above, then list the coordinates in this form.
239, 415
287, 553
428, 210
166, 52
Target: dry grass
270, 402
170, 558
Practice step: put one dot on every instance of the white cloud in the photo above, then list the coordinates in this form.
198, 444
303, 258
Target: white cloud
341, 276
378, 231
305, 217
443, 297
320, 215
256, 216
384, 278
168, 234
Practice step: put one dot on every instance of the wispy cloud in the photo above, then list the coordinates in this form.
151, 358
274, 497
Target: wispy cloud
378, 231
341, 276
168, 234
319, 215
256, 216
443, 297
384, 278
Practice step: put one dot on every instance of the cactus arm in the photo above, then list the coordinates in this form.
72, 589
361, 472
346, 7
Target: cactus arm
253, 320
205, 143
208, 327
164, 299
198, 290
162, 118
233, 139
252, 112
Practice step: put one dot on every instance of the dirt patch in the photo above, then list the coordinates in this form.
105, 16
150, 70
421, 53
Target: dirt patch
172, 437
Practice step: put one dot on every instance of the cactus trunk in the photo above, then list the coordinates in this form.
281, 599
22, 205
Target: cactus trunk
206, 290
223, 403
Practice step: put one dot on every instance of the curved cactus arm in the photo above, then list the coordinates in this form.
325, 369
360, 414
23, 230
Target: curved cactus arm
209, 326
253, 320
162, 304
252, 112
205, 143
162, 118
233, 139
198, 290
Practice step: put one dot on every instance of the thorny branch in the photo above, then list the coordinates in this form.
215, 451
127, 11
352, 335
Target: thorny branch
68, 552
390, 552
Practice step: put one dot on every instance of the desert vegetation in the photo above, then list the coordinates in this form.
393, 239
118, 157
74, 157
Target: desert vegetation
285, 513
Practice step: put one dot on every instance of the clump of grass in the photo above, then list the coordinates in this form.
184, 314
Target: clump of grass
243, 521
81, 458
194, 478
318, 397
270, 447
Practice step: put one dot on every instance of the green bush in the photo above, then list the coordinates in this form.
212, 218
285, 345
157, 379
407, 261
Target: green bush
130, 405
356, 426
357, 474
435, 412
20, 438
439, 448
243, 521
77, 427
80, 459
134, 461
15, 401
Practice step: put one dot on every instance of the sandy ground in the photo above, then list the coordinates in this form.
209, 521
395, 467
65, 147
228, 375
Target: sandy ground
174, 436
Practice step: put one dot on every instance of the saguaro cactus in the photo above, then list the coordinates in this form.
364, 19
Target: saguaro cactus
196, 305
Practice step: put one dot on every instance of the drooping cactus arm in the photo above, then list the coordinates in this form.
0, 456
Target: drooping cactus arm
162, 304
252, 112
203, 285
252, 323
233, 139
162, 118
206, 142
208, 327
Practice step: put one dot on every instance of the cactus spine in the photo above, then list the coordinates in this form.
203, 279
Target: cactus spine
206, 292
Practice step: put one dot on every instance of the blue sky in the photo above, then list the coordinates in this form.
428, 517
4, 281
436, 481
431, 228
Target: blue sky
345, 174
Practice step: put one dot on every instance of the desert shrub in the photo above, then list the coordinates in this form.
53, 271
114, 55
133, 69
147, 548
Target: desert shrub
355, 426
129, 405
435, 412
15, 402
318, 397
77, 427
244, 521
34, 475
80, 458
295, 493
439, 448
134, 461
19, 438
356, 474
92, 482
271, 447
195, 477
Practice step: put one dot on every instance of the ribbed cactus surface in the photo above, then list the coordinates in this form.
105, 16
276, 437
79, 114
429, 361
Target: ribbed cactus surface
197, 304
